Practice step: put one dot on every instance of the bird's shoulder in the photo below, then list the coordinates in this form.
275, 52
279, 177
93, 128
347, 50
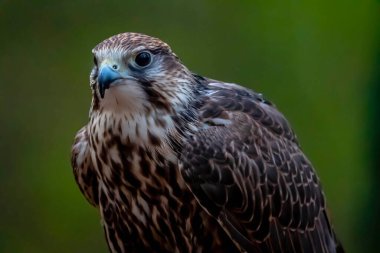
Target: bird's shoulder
225, 103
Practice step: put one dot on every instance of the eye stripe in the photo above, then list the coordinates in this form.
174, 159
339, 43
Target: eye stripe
157, 51
134, 69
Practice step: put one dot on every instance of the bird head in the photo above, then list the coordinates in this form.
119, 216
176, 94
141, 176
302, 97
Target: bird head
133, 71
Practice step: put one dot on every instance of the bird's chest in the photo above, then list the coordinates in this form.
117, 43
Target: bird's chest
144, 202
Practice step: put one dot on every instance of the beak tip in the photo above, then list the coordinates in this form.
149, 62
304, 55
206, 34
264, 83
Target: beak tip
102, 94
101, 89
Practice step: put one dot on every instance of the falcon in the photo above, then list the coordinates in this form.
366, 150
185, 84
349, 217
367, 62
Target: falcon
177, 162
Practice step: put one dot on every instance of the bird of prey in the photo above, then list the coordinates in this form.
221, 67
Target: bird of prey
177, 162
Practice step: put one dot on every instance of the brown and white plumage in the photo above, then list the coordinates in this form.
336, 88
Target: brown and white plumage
180, 163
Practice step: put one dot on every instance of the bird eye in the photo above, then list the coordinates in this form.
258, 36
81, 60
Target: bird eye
143, 59
95, 61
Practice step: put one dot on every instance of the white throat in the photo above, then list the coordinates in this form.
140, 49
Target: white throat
124, 98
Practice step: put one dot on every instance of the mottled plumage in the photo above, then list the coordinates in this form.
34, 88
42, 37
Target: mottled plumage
176, 162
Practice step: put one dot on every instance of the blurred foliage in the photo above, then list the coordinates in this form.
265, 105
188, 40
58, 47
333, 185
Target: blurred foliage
314, 59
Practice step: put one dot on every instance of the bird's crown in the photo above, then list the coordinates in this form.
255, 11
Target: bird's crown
129, 41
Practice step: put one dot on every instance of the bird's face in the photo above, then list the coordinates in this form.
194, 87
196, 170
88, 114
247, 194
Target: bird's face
137, 72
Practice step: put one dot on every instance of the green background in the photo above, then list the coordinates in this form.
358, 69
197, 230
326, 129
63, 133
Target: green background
318, 61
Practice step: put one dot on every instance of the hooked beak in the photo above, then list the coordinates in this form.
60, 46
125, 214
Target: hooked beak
107, 75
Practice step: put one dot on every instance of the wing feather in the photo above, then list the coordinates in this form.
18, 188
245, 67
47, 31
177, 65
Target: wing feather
84, 173
246, 169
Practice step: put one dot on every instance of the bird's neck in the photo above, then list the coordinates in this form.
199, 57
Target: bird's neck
147, 123
138, 128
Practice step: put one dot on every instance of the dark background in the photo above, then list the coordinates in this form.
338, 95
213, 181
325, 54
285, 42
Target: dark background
318, 61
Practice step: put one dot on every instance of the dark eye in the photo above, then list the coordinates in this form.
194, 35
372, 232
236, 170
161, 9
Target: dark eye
95, 61
143, 59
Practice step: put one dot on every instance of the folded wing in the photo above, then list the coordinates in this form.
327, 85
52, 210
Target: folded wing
246, 169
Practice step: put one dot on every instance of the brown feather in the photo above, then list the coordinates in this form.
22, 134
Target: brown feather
180, 163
